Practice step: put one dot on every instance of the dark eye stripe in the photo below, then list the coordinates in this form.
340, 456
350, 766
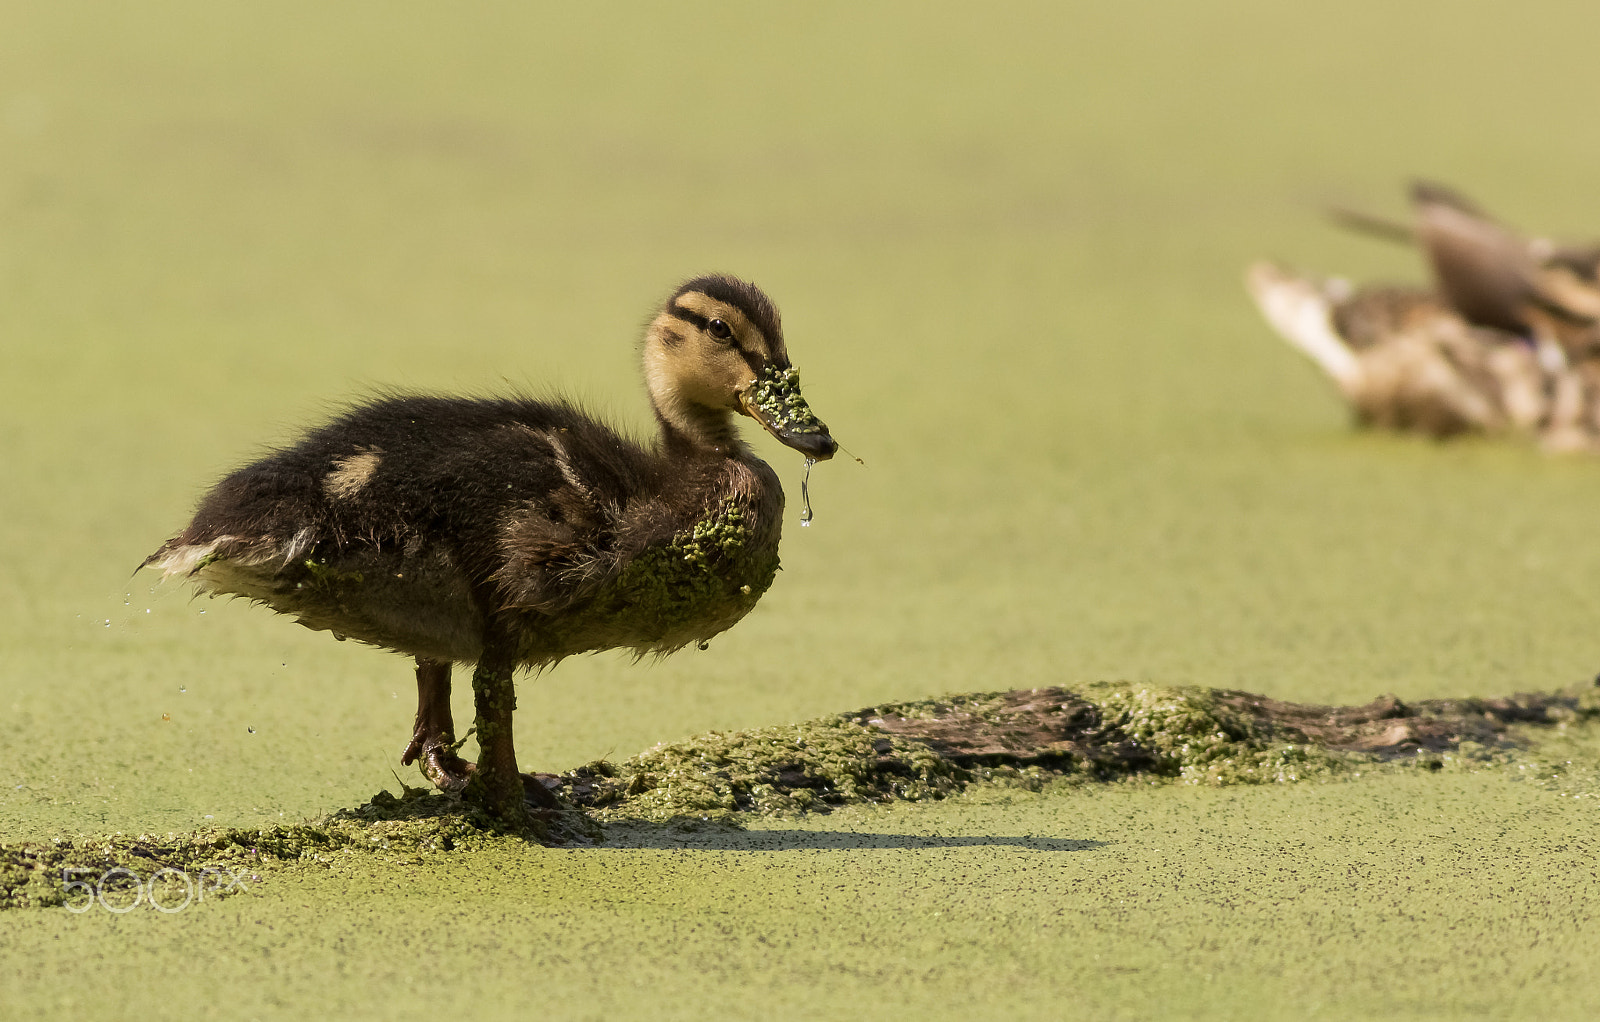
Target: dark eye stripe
694, 318
751, 359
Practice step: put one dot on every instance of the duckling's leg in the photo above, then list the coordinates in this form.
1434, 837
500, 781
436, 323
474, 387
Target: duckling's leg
496, 781
433, 738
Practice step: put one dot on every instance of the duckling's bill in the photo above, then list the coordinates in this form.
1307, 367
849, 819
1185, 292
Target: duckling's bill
773, 399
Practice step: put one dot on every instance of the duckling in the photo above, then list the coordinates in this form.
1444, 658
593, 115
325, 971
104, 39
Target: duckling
511, 533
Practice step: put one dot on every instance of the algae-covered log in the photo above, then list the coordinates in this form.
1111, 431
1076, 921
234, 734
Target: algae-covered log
1034, 739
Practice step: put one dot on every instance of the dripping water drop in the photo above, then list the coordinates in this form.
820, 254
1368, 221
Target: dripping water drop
805, 494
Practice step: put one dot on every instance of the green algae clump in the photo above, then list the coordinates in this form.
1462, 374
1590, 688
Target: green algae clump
715, 571
775, 398
1038, 740
1196, 739
402, 828
773, 771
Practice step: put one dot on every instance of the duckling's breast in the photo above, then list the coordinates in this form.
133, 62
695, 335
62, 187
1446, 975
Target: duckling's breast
686, 588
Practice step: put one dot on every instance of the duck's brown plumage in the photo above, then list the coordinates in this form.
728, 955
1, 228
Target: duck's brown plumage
515, 532
1404, 359
1507, 338
1491, 276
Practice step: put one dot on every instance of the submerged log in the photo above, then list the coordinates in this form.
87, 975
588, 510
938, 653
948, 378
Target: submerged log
1032, 725
1034, 737
1028, 738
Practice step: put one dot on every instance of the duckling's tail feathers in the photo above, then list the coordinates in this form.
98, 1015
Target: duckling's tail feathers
186, 557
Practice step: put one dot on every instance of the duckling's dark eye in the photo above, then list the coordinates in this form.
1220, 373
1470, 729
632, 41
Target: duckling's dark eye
718, 329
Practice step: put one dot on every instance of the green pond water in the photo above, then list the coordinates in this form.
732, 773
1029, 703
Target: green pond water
1008, 244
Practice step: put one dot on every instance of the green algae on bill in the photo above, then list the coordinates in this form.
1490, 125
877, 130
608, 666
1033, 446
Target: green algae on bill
774, 398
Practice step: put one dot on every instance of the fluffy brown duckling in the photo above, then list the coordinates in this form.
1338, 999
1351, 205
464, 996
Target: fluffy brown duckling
511, 533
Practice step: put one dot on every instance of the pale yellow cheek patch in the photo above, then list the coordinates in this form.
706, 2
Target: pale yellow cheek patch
351, 474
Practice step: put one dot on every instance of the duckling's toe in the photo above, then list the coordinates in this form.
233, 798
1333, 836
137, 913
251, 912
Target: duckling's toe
446, 770
440, 764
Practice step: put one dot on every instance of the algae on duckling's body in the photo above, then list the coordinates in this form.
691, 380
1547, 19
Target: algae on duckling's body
694, 586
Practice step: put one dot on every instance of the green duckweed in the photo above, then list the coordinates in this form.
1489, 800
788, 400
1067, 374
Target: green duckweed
1042, 740
711, 569
776, 395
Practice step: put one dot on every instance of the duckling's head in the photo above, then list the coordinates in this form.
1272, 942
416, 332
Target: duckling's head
717, 347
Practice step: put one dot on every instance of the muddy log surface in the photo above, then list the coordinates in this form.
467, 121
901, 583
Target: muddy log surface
1036, 725
1033, 737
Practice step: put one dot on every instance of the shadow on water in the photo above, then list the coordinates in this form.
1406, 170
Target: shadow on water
645, 836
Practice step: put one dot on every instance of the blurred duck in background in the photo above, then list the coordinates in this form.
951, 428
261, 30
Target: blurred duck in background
1507, 340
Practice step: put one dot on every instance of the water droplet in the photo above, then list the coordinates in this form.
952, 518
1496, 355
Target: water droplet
805, 494
250, 729
702, 645
108, 622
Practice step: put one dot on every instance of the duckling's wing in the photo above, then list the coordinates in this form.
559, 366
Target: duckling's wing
560, 543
